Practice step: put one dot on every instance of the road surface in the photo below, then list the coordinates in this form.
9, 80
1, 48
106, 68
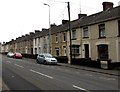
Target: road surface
26, 74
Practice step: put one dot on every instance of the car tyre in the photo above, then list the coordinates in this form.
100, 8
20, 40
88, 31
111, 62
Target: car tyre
37, 61
45, 62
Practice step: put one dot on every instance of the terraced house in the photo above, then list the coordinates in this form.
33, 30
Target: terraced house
95, 37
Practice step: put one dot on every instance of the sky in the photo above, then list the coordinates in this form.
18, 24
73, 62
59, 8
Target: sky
19, 17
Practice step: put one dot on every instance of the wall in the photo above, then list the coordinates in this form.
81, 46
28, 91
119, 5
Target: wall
111, 37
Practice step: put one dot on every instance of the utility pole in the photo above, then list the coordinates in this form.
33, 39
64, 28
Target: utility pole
70, 32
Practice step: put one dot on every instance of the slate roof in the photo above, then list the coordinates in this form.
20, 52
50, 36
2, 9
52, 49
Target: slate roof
103, 16
84, 21
99, 17
41, 33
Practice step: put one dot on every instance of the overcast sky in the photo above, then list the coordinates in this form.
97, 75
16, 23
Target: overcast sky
19, 17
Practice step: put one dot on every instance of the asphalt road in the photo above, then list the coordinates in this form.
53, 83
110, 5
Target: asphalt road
26, 74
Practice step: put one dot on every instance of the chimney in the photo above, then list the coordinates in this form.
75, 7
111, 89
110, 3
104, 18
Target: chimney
43, 29
31, 33
12, 39
23, 36
27, 35
107, 5
65, 21
52, 25
81, 15
37, 31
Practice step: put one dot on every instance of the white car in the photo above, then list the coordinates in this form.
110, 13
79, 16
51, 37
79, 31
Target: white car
10, 54
46, 58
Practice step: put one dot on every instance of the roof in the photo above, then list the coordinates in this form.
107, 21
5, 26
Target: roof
103, 16
107, 15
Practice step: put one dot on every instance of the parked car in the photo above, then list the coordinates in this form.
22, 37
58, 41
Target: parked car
18, 55
46, 58
10, 54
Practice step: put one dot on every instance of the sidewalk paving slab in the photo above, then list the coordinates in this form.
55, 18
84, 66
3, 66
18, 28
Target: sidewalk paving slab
110, 72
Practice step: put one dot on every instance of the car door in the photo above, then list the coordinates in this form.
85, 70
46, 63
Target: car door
42, 58
39, 59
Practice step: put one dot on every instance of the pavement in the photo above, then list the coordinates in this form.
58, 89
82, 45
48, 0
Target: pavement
104, 71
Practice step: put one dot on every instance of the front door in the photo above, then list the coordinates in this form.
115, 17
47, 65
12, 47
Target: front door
86, 46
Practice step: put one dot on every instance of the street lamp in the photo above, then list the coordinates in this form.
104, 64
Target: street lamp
49, 29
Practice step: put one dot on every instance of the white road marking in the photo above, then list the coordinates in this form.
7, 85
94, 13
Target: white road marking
8, 62
18, 65
80, 88
107, 78
41, 74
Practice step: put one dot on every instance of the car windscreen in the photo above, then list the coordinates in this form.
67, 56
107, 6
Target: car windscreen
48, 55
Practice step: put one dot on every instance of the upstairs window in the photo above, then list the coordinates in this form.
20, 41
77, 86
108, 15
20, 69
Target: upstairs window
85, 32
35, 41
56, 38
64, 36
119, 28
102, 33
73, 34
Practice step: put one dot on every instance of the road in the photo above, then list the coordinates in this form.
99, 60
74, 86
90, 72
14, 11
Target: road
26, 74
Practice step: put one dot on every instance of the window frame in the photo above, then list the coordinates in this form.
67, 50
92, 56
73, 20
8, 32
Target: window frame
85, 29
56, 38
103, 52
64, 37
74, 35
75, 49
102, 32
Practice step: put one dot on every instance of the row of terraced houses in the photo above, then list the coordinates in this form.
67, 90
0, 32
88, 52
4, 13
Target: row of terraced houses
96, 36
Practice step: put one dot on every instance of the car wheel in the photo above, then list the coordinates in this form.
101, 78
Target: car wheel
37, 61
45, 62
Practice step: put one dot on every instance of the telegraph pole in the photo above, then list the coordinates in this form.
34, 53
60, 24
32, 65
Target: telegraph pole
70, 32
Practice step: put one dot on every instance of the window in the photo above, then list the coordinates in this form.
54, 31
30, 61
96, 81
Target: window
56, 38
57, 51
74, 34
103, 51
64, 49
119, 28
75, 49
64, 36
102, 31
35, 41
39, 41
85, 32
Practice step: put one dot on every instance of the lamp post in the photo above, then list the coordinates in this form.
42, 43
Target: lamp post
49, 29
